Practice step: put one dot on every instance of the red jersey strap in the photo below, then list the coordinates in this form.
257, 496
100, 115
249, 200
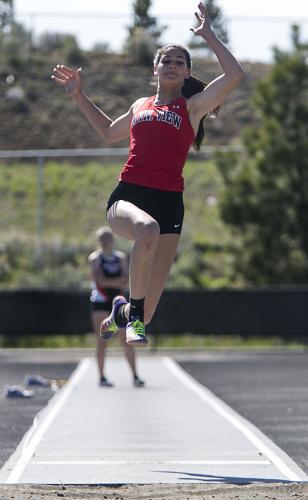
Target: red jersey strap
102, 291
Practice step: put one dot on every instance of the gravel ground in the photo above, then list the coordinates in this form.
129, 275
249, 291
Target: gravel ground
161, 492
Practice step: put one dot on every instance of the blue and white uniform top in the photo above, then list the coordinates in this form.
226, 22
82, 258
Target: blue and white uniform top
111, 267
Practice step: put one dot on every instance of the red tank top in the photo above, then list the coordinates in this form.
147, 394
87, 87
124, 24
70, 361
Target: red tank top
160, 138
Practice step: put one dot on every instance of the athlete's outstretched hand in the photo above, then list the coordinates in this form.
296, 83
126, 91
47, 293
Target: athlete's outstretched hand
68, 78
204, 26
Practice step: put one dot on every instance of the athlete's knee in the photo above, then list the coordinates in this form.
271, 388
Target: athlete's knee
147, 233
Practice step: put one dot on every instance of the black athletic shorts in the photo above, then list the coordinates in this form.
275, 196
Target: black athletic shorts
101, 306
166, 207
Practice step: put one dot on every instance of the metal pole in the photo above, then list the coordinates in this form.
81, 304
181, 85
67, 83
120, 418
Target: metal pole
40, 200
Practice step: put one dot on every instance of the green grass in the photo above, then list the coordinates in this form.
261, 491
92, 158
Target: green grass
75, 198
180, 342
48, 341
188, 341
73, 207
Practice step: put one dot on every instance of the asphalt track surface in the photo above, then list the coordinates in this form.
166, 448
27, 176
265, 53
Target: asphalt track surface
270, 389
16, 415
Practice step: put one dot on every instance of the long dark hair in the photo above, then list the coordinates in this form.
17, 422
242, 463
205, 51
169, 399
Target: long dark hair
192, 85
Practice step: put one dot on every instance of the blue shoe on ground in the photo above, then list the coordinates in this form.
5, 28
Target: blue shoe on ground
17, 391
37, 380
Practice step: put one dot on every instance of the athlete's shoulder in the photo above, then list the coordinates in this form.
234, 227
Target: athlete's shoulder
138, 103
193, 102
184, 100
120, 255
94, 256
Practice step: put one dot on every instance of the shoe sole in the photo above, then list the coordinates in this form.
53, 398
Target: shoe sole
143, 341
107, 334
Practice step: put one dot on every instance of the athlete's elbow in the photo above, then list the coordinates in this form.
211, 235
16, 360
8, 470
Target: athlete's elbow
112, 140
238, 75
233, 80
106, 136
107, 139
110, 137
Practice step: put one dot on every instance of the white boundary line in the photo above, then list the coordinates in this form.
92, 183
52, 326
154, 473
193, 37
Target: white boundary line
38, 428
141, 462
234, 418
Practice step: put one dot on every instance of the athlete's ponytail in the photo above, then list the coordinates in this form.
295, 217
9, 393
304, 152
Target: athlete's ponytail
192, 85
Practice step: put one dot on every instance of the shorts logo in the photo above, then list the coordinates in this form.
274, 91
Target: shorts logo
176, 225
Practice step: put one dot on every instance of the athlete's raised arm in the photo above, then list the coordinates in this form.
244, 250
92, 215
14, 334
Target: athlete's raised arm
110, 130
214, 93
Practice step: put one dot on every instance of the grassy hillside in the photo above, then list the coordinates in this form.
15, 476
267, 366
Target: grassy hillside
37, 114
74, 204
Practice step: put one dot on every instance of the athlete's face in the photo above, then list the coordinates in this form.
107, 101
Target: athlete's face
106, 242
172, 67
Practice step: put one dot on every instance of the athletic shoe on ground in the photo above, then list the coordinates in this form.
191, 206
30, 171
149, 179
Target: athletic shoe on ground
135, 333
105, 383
37, 380
17, 391
109, 327
138, 382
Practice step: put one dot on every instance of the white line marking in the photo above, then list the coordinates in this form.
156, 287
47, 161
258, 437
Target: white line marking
140, 462
231, 416
38, 428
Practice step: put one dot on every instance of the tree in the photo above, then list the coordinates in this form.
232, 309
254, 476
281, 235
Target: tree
218, 23
266, 198
142, 19
144, 34
16, 45
15, 40
6, 13
72, 52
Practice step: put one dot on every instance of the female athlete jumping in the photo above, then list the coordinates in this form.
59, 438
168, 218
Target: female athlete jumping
147, 205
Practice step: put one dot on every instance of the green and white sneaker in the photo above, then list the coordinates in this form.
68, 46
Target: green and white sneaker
109, 327
135, 333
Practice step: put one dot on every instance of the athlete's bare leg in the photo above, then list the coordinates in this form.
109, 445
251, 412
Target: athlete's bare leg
101, 345
129, 351
152, 256
163, 259
130, 222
